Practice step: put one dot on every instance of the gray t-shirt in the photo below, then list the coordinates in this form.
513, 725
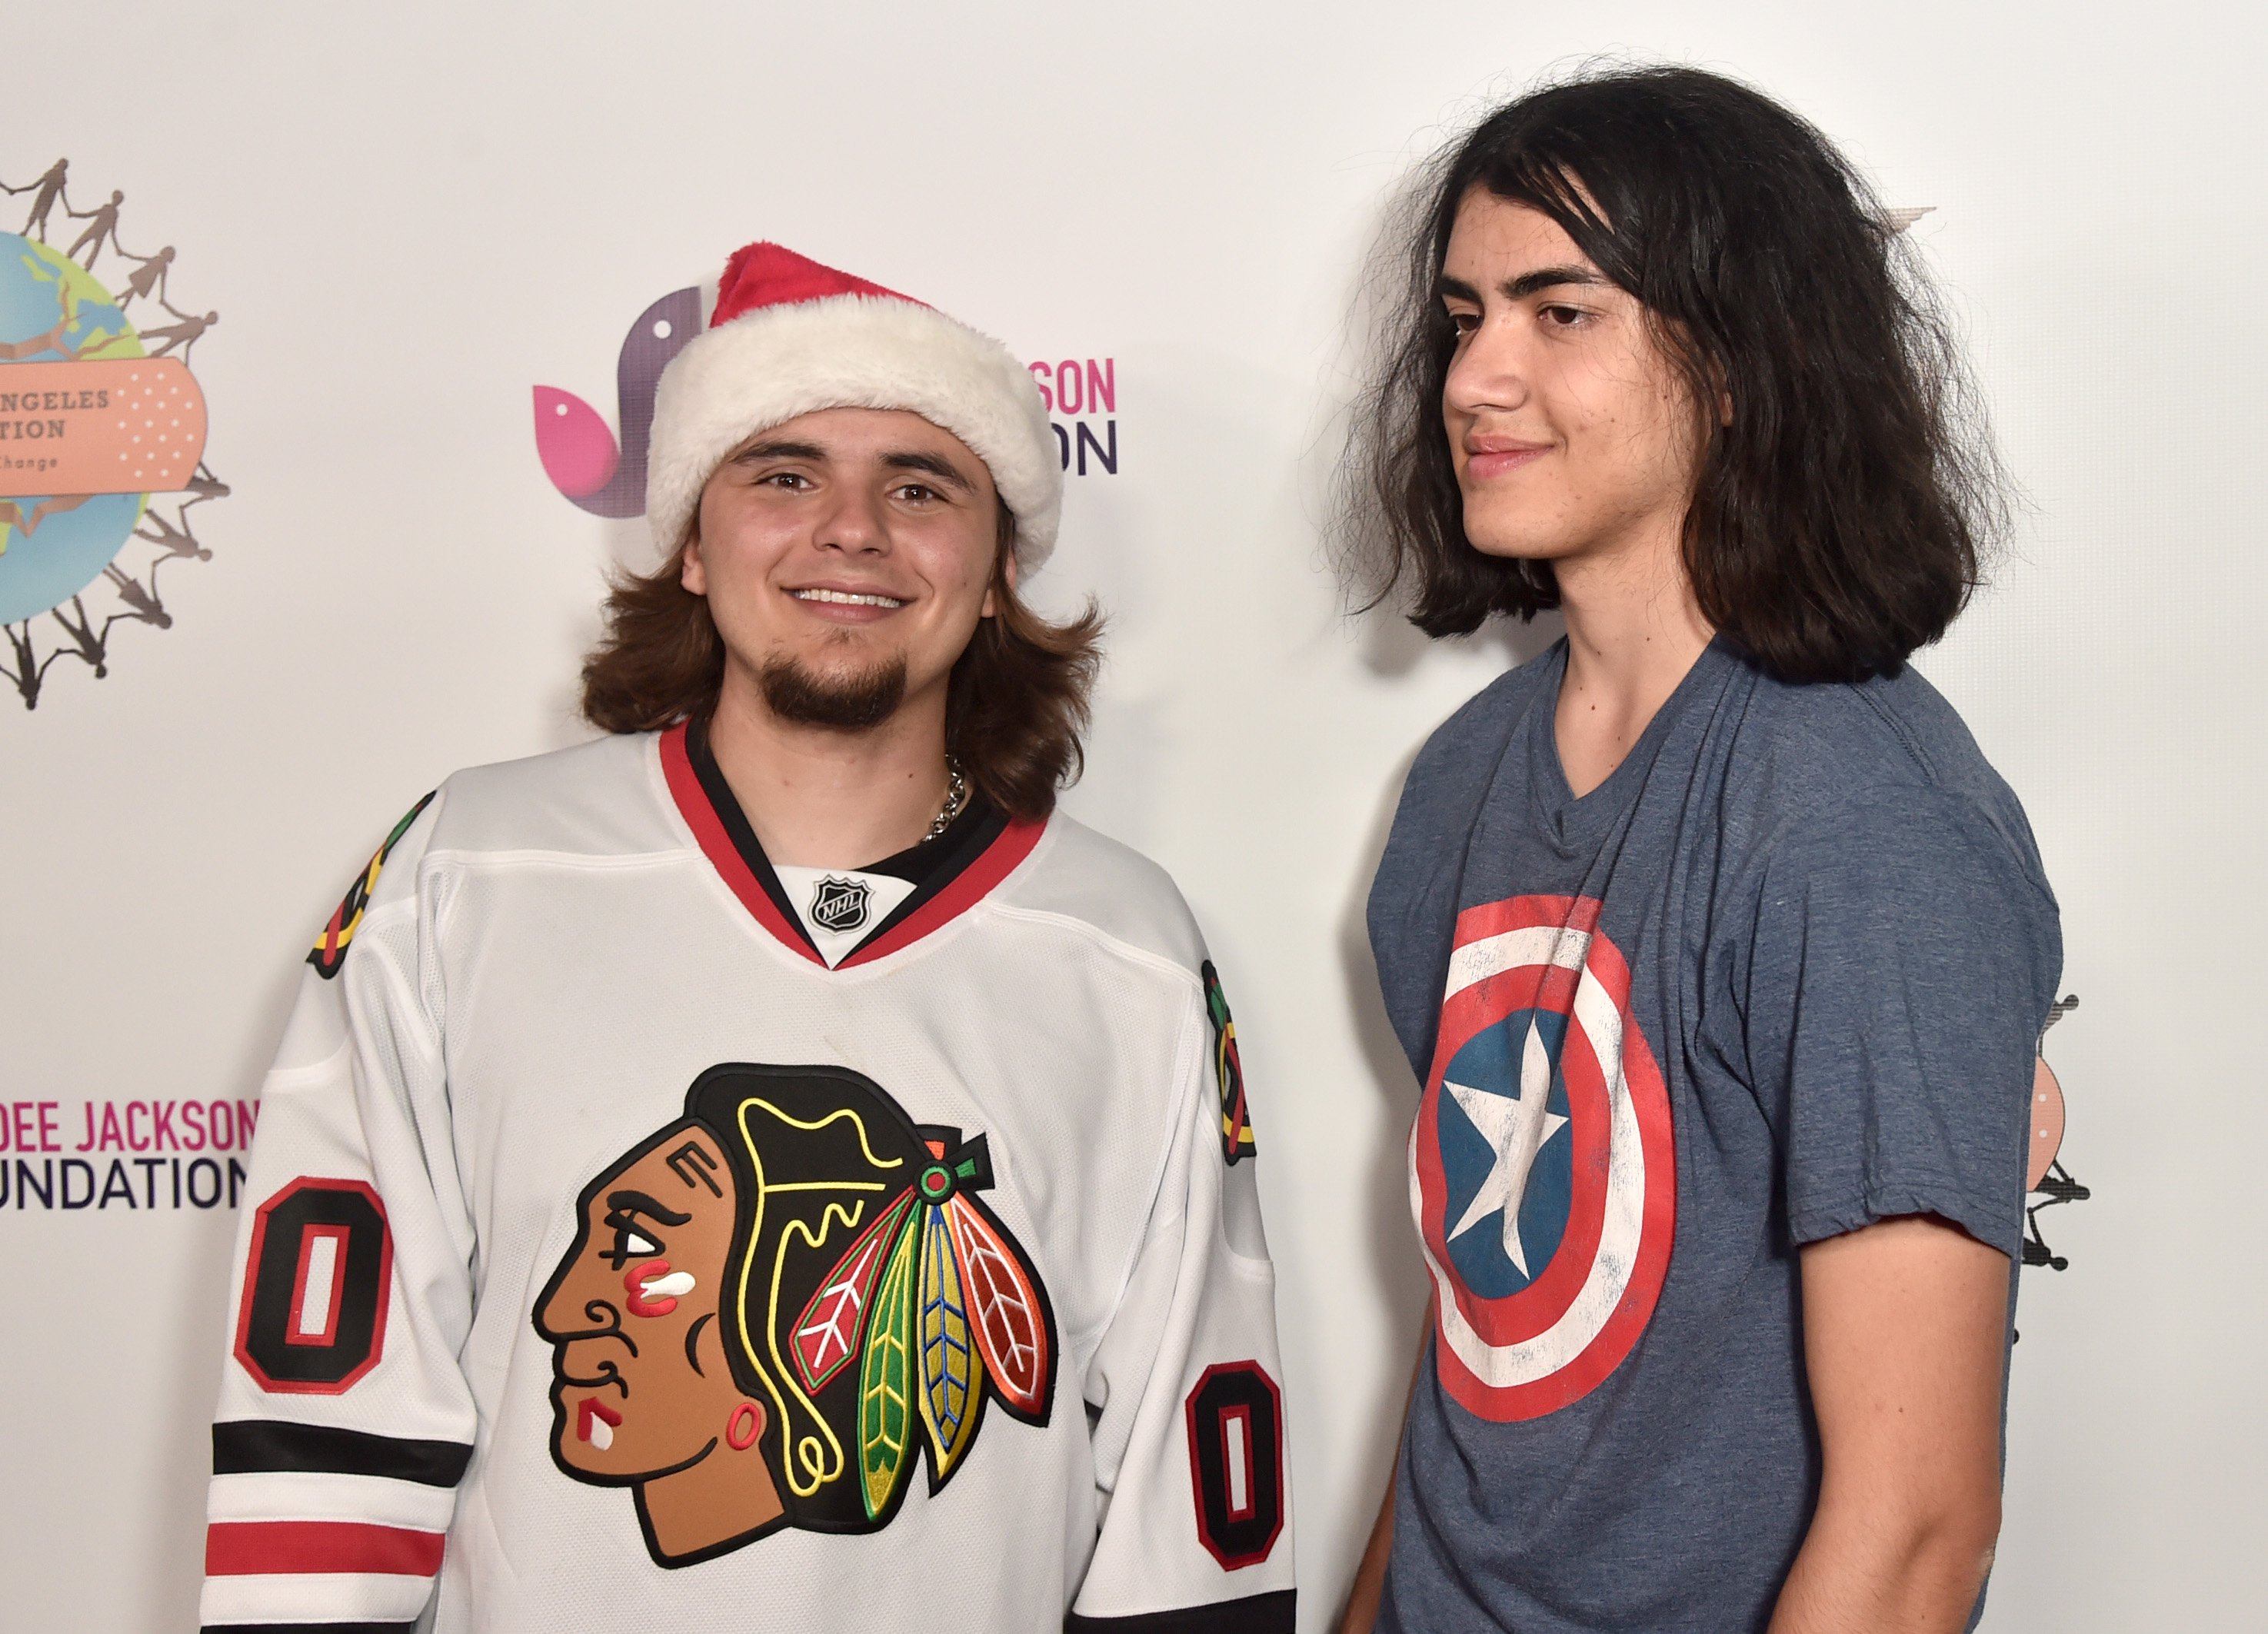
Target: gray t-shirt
1782, 974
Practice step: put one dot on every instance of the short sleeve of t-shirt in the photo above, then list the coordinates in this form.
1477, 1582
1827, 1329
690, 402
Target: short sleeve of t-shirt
1902, 962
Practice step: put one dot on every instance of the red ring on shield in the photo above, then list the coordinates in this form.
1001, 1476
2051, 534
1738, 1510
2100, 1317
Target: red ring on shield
1549, 1343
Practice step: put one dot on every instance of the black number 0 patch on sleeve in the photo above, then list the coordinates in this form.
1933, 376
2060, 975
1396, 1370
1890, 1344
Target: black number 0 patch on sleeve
1236, 1462
312, 1318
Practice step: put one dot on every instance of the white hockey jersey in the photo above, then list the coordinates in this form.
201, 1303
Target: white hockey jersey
618, 1248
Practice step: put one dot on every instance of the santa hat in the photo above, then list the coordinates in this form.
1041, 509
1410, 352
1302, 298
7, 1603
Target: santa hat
790, 337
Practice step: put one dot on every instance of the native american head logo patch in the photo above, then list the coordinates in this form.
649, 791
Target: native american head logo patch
777, 1306
1236, 1139
330, 949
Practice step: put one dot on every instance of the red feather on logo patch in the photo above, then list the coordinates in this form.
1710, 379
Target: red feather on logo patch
1003, 1307
827, 1333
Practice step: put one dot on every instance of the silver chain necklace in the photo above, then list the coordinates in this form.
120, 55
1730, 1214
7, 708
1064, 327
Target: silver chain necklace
956, 799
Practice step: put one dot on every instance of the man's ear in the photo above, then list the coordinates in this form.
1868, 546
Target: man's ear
690, 573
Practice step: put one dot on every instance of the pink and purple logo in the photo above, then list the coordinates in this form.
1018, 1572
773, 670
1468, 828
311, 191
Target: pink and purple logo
579, 453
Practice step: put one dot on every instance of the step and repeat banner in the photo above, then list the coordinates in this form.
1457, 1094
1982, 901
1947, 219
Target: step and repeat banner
328, 344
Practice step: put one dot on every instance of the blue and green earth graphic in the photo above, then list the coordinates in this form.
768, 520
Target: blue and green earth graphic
40, 288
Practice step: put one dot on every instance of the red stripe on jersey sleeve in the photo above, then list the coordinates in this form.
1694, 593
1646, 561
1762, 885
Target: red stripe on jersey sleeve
998, 861
701, 817
250, 1547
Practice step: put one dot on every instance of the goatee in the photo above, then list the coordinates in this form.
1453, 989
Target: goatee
857, 700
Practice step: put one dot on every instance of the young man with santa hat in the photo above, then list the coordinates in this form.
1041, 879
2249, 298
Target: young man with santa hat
681, 1139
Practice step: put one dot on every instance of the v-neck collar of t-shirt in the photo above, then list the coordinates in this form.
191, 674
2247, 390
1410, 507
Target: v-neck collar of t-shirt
841, 917
1574, 823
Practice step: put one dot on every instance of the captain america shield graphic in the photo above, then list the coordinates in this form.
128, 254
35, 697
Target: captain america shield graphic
1542, 1172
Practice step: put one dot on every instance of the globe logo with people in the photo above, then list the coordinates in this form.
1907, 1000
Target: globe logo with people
102, 434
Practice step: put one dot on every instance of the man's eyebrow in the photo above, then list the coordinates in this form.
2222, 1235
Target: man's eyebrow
1520, 288
1547, 278
780, 449
935, 465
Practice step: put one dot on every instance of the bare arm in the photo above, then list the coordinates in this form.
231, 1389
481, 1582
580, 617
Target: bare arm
1905, 1325
1361, 1614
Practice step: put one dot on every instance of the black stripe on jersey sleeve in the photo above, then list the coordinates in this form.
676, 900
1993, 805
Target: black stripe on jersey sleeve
1255, 1614
309, 1627
246, 1446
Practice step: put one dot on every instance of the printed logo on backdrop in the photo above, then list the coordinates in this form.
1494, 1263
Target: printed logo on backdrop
124, 1157
102, 432
607, 477
1081, 394
2045, 1178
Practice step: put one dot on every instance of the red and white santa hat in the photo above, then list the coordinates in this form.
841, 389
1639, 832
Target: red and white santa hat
790, 337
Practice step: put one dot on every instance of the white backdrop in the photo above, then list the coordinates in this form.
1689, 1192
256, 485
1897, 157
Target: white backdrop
407, 218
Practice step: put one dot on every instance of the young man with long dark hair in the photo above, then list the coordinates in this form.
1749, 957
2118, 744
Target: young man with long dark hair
766, 1168
1720, 952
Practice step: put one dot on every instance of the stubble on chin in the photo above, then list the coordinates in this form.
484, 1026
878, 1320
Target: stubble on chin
846, 700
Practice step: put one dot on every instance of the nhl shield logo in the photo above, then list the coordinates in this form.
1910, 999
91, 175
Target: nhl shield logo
1541, 1168
839, 904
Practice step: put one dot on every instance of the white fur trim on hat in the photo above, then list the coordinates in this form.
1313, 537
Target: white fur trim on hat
765, 366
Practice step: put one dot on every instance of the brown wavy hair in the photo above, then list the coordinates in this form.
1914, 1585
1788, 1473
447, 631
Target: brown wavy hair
1838, 523
1015, 707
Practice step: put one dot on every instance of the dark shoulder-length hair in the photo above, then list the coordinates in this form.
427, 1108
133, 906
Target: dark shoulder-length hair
1837, 522
1015, 708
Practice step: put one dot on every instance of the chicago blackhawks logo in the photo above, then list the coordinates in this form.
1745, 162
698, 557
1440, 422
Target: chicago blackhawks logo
777, 1306
330, 950
1541, 1171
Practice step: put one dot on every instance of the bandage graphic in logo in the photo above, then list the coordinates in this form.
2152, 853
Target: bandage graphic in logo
102, 430
1542, 1172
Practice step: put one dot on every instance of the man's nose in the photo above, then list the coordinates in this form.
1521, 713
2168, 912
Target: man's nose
1488, 372
853, 524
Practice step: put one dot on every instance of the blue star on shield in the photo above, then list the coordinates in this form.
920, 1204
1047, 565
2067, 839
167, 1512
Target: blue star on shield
1507, 1156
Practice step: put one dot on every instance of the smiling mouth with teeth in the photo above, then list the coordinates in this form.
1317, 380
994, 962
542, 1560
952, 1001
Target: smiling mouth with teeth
847, 597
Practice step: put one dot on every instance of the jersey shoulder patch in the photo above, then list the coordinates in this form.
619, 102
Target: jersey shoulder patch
330, 950
1227, 1072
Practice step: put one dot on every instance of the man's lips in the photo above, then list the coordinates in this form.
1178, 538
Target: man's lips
1489, 457
845, 604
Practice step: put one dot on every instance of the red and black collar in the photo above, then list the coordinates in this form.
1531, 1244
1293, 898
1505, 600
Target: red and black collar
951, 873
